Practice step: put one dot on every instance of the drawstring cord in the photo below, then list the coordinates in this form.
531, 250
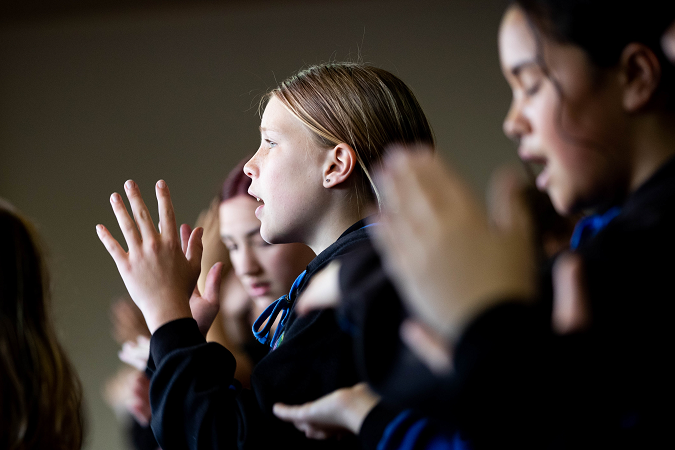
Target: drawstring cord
280, 306
589, 226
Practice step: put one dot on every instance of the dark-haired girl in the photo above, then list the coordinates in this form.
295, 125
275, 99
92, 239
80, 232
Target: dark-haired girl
40, 393
593, 109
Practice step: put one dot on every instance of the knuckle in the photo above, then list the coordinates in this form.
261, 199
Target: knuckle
128, 227
172, 245
124, 266
153, 245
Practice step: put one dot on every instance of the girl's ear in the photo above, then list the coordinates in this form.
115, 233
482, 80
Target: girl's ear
340, 162
641, 76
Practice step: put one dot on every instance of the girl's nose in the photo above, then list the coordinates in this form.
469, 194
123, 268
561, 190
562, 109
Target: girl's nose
251, 167
248, 263
515, 123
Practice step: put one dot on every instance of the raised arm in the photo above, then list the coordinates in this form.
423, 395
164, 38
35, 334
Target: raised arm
158, 274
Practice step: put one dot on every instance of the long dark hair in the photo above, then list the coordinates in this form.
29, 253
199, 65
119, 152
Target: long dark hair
40, 394
603, 29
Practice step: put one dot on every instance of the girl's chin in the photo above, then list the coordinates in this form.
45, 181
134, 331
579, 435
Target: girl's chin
263, 301
562, 206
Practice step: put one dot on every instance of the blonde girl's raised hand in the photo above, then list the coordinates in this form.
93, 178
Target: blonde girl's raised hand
449, 263
159, 276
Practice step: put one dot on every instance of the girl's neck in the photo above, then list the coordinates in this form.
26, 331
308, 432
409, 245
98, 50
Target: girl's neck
654, 144
334, 222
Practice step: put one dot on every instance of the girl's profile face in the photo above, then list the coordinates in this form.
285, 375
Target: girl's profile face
575, 130
265, 271
287, 177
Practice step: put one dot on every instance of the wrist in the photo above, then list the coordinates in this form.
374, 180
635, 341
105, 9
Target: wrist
167, 313
362, 400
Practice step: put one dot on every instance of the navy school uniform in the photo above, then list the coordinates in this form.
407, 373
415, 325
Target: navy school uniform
517, 384
197, 404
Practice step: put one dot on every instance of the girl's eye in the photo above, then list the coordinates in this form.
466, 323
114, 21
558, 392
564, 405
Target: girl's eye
231, 247
260, 242
530, 91
531, 80
270, 144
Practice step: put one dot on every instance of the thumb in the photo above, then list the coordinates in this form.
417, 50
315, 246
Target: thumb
195, 249
185, 232
205, 308
571, 311
507, 202
212, 287
428, 346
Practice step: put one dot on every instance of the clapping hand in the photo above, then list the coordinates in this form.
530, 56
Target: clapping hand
161, 268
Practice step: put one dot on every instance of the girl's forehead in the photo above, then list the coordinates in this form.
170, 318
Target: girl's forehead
517, 43
278, 119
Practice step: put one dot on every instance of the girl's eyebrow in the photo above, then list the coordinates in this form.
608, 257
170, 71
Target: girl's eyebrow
248, 234
516, 69
269, 130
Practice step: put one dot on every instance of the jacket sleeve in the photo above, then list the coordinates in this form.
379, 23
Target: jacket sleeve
196, 403
372, 312
502, 364
390, 428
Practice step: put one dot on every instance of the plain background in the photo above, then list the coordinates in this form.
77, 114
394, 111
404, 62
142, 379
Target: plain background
92, 97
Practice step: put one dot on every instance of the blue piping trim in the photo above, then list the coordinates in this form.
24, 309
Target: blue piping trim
413, 434
391, 428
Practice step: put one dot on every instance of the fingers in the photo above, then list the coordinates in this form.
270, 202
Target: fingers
429, 347
205, 308
323, 291
114, 248
668, 43
194, 249
212, 288
167, 217
136, 353
141, 213
571, 310
185, 232
290, 413
127, 225
506, 205
302, 419
140, 404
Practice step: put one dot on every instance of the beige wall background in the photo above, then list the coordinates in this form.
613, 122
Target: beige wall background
90, 98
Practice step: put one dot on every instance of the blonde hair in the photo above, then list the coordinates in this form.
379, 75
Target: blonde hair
363, 106
40, 394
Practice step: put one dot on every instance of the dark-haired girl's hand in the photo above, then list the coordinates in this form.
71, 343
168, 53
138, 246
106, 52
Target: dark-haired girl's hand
323, 291
668, 42
343, 410
160, 278
448, 261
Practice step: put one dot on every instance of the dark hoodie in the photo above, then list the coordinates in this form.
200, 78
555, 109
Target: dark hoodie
197, 404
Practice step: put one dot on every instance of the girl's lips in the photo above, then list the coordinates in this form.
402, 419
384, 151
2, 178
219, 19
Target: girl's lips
258, 210
537, 166
542, 180
259, 289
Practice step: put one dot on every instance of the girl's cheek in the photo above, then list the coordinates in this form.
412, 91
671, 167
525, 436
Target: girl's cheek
274, 262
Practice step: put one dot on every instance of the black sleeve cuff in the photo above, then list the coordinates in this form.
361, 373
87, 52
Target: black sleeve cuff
179, 333
497, 328
375, 423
